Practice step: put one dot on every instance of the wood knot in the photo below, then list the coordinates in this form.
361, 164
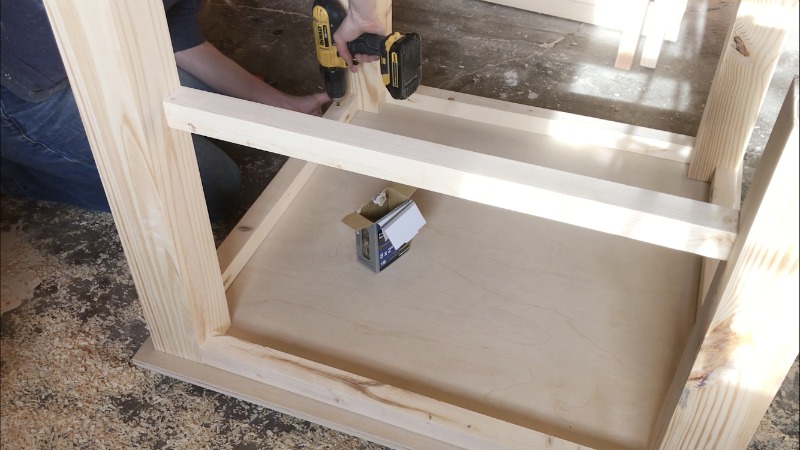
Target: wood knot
245, 229
738, 44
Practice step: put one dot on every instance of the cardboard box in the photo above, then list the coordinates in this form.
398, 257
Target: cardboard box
385, 226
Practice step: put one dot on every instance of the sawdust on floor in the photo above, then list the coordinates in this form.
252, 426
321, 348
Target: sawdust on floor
66, 380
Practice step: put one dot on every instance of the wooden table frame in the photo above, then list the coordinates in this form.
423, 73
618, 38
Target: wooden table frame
738, 350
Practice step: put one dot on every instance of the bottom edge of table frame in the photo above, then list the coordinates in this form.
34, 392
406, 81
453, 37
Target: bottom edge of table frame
242, 388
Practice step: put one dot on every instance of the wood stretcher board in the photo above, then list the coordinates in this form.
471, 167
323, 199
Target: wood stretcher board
550, 302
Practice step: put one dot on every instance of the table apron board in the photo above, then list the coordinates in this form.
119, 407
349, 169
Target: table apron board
666, 220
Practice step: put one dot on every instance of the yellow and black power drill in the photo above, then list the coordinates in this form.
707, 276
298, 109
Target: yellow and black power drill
399, 53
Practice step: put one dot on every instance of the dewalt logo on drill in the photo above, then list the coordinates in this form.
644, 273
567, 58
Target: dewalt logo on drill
322, 35
394, 70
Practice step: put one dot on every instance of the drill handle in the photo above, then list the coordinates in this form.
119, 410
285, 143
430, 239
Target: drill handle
367, 44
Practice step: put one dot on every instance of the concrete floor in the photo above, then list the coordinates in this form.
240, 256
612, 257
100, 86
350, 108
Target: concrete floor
66, 268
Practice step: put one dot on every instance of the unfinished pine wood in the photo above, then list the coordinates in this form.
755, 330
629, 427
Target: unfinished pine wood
740, 84
663, 22
343, 110
241, 242
367, 84
745, 339
572, 129
149, 172
563, 330
653, 217
239, 245
370, 398
575, 330
726, 190
256, 392
631, 33
677, 8
661, 15
553, 152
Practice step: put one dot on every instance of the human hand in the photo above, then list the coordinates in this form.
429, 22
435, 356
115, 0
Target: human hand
227, 77
308, 104
362, 17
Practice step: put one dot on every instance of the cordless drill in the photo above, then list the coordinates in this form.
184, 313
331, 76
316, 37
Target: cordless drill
399, 53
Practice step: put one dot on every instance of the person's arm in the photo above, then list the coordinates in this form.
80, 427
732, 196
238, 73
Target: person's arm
225, 76
362, 17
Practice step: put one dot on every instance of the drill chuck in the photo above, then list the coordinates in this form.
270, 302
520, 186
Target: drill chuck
335, 81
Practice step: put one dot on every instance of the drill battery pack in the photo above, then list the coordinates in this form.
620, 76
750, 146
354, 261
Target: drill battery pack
402, 64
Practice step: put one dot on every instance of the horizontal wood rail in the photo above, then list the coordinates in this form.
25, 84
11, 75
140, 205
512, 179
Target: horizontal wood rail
648, 216
572, 128
371, 398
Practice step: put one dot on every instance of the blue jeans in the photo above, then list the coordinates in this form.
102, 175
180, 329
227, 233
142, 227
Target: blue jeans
45, 155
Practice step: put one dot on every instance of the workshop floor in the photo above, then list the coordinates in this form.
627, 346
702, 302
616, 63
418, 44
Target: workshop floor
71, 321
